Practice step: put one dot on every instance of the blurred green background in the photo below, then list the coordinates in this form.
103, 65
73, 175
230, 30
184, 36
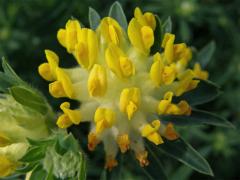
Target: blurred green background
27, 27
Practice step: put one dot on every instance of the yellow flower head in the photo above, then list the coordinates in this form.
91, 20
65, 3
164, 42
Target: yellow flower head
121, 86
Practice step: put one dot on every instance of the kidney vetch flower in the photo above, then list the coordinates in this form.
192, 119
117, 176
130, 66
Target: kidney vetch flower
123, 88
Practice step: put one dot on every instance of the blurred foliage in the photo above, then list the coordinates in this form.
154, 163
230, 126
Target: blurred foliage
27, 27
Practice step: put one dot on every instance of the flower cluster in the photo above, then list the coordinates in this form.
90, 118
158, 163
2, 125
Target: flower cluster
123, 89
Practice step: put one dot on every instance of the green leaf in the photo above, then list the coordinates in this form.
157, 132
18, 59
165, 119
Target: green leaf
38, 174
103, 175
155, 168
167, 26
198, 117
205, 92
94, 18
185, 153
117, 13
205, 54
34, 154
50, 175
185, 31
43, 142
181, 173
29, 98
82, 173
9, 71
8, 78
27, 168
157, 36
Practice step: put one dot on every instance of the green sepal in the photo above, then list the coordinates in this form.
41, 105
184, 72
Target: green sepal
197, 117
117, 13
186, 154
66, 143
94, 18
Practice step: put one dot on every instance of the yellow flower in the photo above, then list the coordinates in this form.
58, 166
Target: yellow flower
69, 117
86, 49
167, 107
120, 85
141, 31
68, 37
151, 132
199, 73
111, 31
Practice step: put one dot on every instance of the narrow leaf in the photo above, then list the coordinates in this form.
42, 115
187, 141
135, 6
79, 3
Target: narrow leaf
29, 98
50, 175
38, 174
117, 13
8, 70
205, 92
205, 54
94, 18
198, 117
82, 174
43, 142
155, 168
33, 154
27, 168
185, 153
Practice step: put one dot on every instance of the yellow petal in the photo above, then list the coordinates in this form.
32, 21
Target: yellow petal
45, 71
61, 36
157, 70
64, 121
168, 74
93, 141
111, 31
147, 37
168, 44
74, 115
97, 81
72, 28
66, 82
86, 50
142, 158
117, 61
130, 101
104, 118
135, 36
199, 73
56, 89
170, 132
53, 61
123, 142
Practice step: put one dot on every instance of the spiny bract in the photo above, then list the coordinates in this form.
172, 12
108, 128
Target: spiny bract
122, 88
